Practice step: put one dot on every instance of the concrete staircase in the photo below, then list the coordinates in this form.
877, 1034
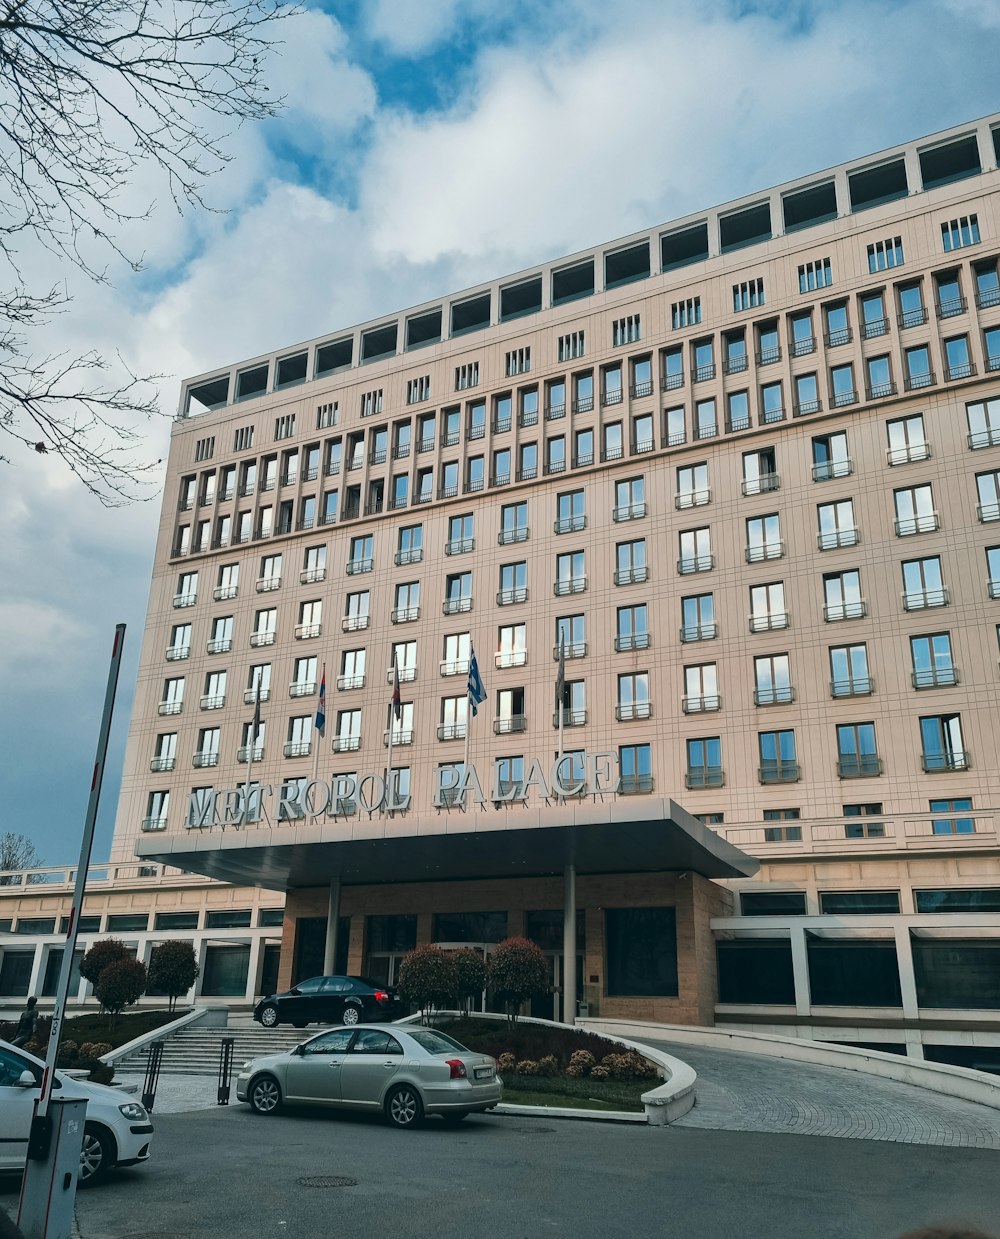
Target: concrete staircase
195, 1051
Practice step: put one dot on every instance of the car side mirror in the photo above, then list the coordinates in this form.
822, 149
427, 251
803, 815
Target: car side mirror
299, 1051
27, 1079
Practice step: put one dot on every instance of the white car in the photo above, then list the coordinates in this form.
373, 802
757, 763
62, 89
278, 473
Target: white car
117, 1131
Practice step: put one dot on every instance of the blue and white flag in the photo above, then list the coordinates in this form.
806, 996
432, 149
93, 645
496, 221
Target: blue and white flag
477, 690
321, 708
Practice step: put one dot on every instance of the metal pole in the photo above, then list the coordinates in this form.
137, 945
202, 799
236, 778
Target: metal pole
569, 945
225, 1070
152, 1079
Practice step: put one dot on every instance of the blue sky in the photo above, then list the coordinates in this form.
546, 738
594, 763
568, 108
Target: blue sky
424, 147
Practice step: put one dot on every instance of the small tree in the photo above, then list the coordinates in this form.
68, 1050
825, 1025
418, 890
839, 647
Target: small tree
427, 978
121, 985
470, 976
173, 969
517, 972
16, 852
100, 955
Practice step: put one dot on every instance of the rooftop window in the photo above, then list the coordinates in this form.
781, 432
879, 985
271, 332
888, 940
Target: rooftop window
573, 282
211, 395
250, 383
519, 299
379, 342
688, 245
952, 162
872, 186
745, 227
423, 329
291, 370
470, 315
805, 207
624, 266
337, 355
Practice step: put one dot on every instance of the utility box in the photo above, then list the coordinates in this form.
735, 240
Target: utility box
48, 1190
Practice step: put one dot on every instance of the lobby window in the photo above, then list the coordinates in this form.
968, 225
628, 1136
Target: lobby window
513, 523
735, 351
695, 551
912, 312
777, 757
760, 471
455, 654
782, 834
571, 636
915, 511
987, 284
571, 576
701, 689
512, 645
632, 628
933, 664
773, 903
630, 499
837, 526
849, 676
941, 744
837, 324
635, 763
698, 618
885, 254
923, 584
457, 593
767, 607
641, 952
857, 752
988, 489
772, 680
513, 583
965, 899
633, 697
356, 611
571, 512
806, 394
953, 825
859, 903
630, 562
862, 827
764, 538
830, 457
704, 762
842, 596
706, 419
460, 535
409, 545
983, 418
737, 411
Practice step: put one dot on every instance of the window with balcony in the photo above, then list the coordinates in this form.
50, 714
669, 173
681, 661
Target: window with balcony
630, 562
923, 584
512, 645
449, 480
933, 664
426, 429
360, 559
702, 360
778, 762
513, 583
180, 643
503, 414
873, 316
704, 762
400, 730
695, 551
571, 575
259, 676
570, 512
460, 535
632, 628
842, 598
457, 593
993, 571
857, 752
510, 718
214, 696
475, 474
764, 538
635, 765
917, 362
767, 607
987, 284
842, 387
555, 454
356, 611
737, 411
957, 359
772, 403
706, 419
406, 603
527, 402
583, 448
221, 640
304, 680
849, 675
673, 368
915, 511
454, 718
348, 734
830, 457
527, 461
402, 440
837, 324
633, 697
409, 545
570, 637
613, 442
611, 384
165, 757
643, 433
698, 618
803, 340
509, 777
513, 523
983, 418
674, 426
836, 525
207, 752
701, 689
734, 344
300, 730
571, 704
941, 744
692, 486
772, 680
760, 471
630, 499
583, 395
157, 808
907, 440
187, 590
404, 659
806, 395
456, 653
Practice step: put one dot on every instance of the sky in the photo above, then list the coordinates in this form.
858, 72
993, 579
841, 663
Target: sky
424, 145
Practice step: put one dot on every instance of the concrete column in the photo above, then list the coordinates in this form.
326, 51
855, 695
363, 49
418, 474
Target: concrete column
201, 946
907, 977
332, 925
800, 969
38, 966
253, 969
569, 945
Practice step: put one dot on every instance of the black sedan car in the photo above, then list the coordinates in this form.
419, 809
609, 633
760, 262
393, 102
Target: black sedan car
329, 1000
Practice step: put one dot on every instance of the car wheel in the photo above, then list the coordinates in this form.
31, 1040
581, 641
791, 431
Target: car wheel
352, 1015
265, 1095
403, 1106
97, 1154
269, 1017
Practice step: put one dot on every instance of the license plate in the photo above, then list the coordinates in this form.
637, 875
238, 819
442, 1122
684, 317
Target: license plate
483, 1073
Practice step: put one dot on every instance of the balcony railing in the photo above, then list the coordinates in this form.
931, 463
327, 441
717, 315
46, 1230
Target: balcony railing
695, 563
704, 776
176, 653
570, 718
701, 703
510, 658
830, 539
776, 696
856, 686
412, 556
507, 536
159, 764
404, 615
346, 683
914, 382
628, 512
202, 760
346, 744
692, 498
834, 611
630, 711
510, 724
451, 731
928, 522
569, 524
305, 632
761, 551
455, 606
937, 763
250, 695
506, 597
301, 688
699, 632
570, 585
454, 666
298, 748
631, 576
635, 784
223, 593
934, 677
265, 584
243, 753
570, 649
768, 621
185, 600
460, 546
826, 470
354, 623
154, 823
406, 675
909, 452
951, 307
635, 641
761, 485
213, 701
400, 737
779, 772
859, 766
801, 408
919, 600
219, 645
356, 566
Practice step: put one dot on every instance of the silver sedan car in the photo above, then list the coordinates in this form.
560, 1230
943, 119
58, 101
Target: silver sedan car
404, 1072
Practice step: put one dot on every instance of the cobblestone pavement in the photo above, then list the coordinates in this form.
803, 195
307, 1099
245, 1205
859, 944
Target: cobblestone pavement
176, 1094
752, 1092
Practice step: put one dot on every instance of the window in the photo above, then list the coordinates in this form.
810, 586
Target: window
214, 697
923, 585
685, 313
952, 825
456, 653
348, 737
400, 729
404, 658
243, 438
409, 545
806, 394
259, 674
571, 577
517, 361
641, 951
838, 330
513, 523
842, 389
836, 525
777, 757
630, 500
695, 551
454, 714
857, 903
782, 834
204, 449
612, 440
768, 343
748, 295
830, 458
632, 628
356, 611
270, 574
626, 330
941, 742
767, 607
987, 284
180, 643
703, 360
583, 396
157, 806
773, 903
284, 426
221, 641
570, 512
425, 432
763, 538
642, 377
849, 671
572, 345
918, 367
466, 375
760, 471
906, 440
772, 680
513, 583
701, 689
304, 677
458, 593
983, 418
704, 762
475, 474
915, 511
815, 275
460, 535
993, 571
842, 596
512, 645
633, 696
958, 233
571, 636
873, 318
988, 489
327, 415
418, 389
735, 345
698, 618
965, 899
911, 305
772, 406
885, 254
630, 562
406, 600
857, 754
862, 828
207, 753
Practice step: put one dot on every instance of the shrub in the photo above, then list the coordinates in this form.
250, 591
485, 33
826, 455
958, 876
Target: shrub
548, 1066
600, 1072
581, 1062
470, 976
100, 955
507, 1061
120, 985
173, 969
528, 1067
95, 1049
517, 972
427, 978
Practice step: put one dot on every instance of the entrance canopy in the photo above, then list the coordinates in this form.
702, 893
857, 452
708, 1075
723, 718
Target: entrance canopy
623, 836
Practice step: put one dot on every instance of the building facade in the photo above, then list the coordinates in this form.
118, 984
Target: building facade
717, 506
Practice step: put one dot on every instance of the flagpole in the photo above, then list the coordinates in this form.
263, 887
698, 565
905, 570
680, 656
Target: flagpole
320, 734
253, 744
560, 694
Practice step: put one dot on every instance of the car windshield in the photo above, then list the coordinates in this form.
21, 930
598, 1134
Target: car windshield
435, 1042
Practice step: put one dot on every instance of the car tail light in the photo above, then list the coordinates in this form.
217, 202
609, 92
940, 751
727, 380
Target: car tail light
457, 1068
381, 996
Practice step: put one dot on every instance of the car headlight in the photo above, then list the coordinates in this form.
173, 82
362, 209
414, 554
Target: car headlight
134, 1112
247, 1065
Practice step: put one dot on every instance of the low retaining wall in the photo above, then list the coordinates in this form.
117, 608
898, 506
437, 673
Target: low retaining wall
208, 1017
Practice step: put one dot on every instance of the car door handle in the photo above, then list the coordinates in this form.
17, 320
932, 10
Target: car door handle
388, 1063
334, 1064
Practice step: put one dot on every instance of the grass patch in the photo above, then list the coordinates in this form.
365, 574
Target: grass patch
97, 1027
575, 1094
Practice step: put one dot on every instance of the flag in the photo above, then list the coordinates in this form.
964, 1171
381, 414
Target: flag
397, 705
321, 708
477, 691
561, 673
255, 725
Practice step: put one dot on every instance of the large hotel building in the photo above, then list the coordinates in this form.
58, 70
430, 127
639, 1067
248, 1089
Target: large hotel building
716, 507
